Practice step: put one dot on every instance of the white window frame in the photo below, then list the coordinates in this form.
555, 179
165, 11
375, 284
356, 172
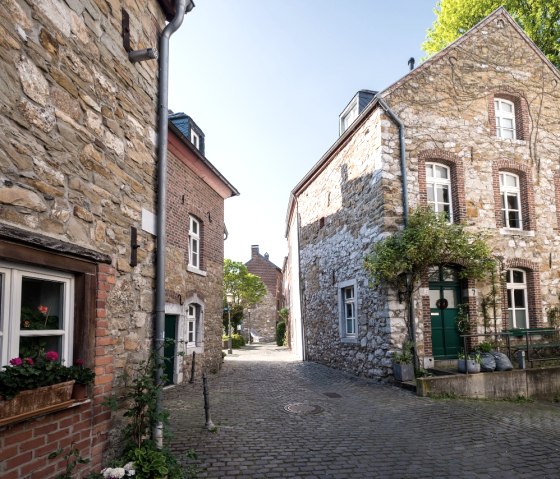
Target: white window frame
345, 335
191, 325
440, 184
10, 310
194, 238
502, 116
511, 288
507, 192
349, 115
195, 139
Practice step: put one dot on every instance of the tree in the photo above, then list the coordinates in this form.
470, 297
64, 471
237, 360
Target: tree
404, 258
539, 18
247, 289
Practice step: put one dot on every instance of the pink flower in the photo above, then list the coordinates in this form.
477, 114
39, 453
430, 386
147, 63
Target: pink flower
79, 362
16, 362
29, 361
51, 356
43, 310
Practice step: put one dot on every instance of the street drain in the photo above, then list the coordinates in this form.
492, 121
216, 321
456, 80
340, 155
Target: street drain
303, 409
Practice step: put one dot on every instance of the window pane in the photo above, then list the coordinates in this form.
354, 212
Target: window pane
513, 220
518, 276
451, 296
441, 172
41, 304
510, 180
507, 133
507, 123
349, 326
510, 319
194, 227
430, 192
449, 274
31, 346
521, 319
434, 296
443, 194
519, 298
349, 293
429, 171
506, 107
350, 310
512, 202
509, 294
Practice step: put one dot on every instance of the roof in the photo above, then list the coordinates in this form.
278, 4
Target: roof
205, 162
344, 138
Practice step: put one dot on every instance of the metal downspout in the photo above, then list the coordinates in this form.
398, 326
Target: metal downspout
400, 124
163, 118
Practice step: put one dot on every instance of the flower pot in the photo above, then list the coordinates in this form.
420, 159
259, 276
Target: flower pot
470, 364
37, 399
79, 393
403, 372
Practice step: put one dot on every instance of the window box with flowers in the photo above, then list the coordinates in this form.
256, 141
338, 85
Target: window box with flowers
32, 386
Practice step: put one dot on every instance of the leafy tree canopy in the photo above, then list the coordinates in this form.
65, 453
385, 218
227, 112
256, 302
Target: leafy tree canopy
428, 240
247, 289
539, 18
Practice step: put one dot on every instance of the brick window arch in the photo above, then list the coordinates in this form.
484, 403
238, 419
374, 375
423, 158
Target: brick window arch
527, 200
530, 285
506, 97
454, 164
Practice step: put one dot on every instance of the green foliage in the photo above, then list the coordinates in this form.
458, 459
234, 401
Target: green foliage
539, 18
37, 318
428, 240
149, 462
237, 341
281, 333
284, 313
236, 317
484, 347
72, 458
247, 289
462, 318
406, 355
553, 316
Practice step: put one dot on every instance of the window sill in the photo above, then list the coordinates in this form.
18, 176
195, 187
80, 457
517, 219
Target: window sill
349, 340
194, 270
72, 403
513, 141
516, 232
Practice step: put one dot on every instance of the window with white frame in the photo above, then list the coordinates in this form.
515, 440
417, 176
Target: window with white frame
191, 325
195, 139
510, 193
505, 118
194, 243
516, 280
36, 312
349, 116
348, 316
438, 189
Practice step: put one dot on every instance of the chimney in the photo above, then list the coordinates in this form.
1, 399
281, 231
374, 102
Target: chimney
266, 256
254, 251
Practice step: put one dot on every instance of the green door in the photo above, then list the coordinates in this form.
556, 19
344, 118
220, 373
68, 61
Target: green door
169, 347
445, 296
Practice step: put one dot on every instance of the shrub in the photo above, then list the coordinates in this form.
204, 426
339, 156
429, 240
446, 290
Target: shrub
237, 340
281, 333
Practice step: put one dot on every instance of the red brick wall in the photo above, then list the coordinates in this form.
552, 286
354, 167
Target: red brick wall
25, 446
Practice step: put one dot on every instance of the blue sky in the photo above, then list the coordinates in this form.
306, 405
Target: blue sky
266, 81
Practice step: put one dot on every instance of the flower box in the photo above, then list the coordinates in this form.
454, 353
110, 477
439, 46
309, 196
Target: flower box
36, 401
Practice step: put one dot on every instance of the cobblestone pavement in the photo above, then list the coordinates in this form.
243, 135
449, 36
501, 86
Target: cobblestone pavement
277, 417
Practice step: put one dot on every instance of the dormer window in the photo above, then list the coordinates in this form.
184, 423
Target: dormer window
195, 139
348, 117
505, 118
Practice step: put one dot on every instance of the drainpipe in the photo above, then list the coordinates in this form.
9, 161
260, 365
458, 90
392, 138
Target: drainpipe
163, 118
397, 121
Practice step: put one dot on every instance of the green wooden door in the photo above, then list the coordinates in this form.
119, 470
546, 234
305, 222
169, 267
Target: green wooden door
445, 297
169, 347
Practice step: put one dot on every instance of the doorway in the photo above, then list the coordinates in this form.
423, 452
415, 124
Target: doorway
445, 297
169, 347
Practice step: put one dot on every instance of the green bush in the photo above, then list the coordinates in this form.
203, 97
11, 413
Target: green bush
281, 333
237, 340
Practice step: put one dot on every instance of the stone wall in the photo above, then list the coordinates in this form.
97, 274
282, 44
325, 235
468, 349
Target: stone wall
77, 155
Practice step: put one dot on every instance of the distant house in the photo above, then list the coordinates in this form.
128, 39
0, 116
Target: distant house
264, 316
473, 132
195, 252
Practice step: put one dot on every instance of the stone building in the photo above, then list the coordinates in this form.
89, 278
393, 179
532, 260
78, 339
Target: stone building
77, 207
264, 316
195, 252
481, 136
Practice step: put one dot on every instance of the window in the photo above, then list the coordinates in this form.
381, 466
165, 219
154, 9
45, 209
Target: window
36, 312
195, 139
517, 298
349, 117
505, 118
194, 243
438, 189
191, 325
348, 316
511, 200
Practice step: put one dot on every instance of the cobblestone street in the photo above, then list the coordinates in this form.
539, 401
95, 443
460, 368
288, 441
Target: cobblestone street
277, 417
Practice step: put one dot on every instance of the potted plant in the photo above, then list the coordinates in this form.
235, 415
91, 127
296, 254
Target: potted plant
403, 369
29, 385
83, 376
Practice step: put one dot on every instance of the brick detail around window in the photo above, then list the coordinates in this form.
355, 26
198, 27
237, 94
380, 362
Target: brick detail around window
534, 299
521, 112
455, 164
526, 191
427, 325
557, 196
